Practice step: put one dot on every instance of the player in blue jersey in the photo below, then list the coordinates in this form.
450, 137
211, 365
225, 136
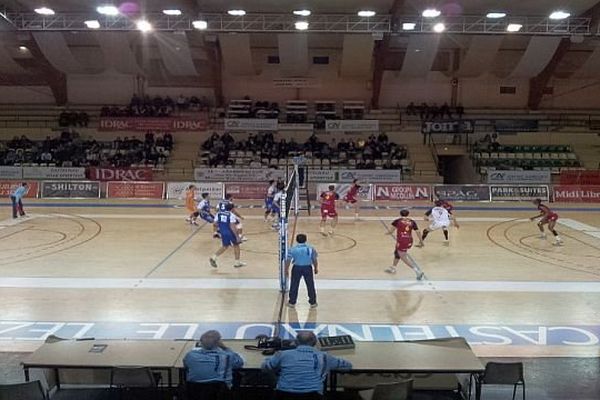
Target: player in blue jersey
226, 222
203, 210
228, 199
271, 190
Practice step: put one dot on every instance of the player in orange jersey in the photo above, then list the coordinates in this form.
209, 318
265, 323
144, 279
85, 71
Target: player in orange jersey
549, 217
190, 204
352, 198
328, 209
404, 240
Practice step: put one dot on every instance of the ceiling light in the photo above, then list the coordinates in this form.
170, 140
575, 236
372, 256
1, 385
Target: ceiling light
366, 13
496, 15
408, 26
301, 25
237, 13
302, 13
44, 11
559, 15
200, 24
431, 13
108, 10
172, 12
514, 27
439, 27
143, 25
92, 24
23, 49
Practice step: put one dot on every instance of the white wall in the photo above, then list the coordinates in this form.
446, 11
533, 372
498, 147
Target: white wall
332, 86
573, 93
26, 95
107, 88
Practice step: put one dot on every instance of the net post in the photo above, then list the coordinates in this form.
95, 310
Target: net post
283, 242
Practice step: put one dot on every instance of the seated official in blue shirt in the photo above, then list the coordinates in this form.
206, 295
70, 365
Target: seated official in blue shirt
209, 368
303, 370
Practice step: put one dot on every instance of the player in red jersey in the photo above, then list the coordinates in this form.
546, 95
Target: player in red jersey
352, 198
548, 217
328, 210
404, 241
450, 208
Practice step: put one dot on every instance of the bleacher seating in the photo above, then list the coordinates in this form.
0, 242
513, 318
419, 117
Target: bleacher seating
261, 150
514, 157
70, 150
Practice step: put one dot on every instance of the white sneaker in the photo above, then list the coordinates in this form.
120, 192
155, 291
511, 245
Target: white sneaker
213, 262
239, 264
543, 236
331, 232
420, 276
315, 305
390, 270
558, 242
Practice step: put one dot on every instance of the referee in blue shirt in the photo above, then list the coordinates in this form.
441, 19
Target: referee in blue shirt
15, 198
209, 368
304, 259
302, 371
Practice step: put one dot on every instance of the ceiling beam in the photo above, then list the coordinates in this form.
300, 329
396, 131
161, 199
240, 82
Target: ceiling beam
381, 54
538, 84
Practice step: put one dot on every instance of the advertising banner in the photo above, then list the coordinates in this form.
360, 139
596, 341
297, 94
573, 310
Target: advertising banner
580, 177
370, 175
365, 192
176, 190
152, 124
296, 83
321, 175
53, 173
237, 174
462, 192
296, 127
402, 192
519, 177
251, 124
458, 126
135, 190
8, 172
352, 125
119, 174
70, 189
516, 125
7, 187
246, 191
576, 194
520, 193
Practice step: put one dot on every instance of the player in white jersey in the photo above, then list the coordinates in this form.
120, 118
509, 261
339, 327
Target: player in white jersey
271, 190
204, 211
438, 217
276, 208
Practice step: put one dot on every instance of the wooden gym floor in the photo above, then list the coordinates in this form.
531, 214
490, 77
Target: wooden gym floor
138, 262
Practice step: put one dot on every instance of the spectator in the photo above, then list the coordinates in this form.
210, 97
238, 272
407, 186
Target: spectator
303, 370
209, 368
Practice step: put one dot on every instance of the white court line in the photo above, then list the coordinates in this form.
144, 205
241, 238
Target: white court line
15, 221
260, 217
580, 227
322, 284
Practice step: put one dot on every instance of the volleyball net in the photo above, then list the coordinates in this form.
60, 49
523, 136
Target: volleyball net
288, 220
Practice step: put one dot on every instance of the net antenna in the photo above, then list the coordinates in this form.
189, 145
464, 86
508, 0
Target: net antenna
290, 207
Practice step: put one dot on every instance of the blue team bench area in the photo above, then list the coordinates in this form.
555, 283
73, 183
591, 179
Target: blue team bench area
159, 369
